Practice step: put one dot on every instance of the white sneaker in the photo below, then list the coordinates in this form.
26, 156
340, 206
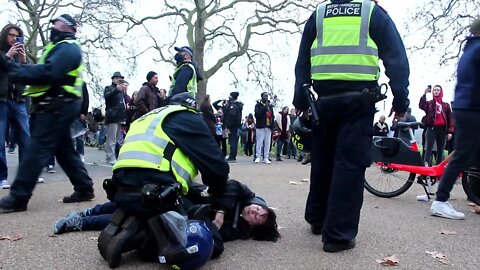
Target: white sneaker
51, 169
4, 184
40, 180
445, 210
257, 160
82, 158
111, 162
267, 161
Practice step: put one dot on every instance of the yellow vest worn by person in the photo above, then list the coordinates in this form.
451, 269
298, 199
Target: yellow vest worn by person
148, 146
343, 49
192, 84
75, 88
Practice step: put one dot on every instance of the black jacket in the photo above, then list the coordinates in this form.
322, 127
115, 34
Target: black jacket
64, 58
232, 112
191, 135
115, 107
9, 90
85, 100
261, 115
468, 77
391, 50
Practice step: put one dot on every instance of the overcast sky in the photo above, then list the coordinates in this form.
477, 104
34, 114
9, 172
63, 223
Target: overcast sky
422, 73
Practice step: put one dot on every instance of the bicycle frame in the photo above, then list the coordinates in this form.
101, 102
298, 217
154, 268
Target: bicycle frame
434, 171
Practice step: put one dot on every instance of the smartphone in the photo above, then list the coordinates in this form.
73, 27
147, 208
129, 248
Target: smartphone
429, 87
20, 39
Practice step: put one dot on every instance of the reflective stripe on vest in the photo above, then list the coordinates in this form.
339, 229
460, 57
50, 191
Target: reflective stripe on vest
145, 145
343, 49
192, 84
75, 88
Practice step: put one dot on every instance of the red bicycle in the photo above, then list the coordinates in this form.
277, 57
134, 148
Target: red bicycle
397, 164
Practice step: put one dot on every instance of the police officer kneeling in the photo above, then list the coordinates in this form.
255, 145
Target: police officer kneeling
163, 152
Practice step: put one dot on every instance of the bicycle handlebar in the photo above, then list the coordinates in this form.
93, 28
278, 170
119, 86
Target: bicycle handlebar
410, 125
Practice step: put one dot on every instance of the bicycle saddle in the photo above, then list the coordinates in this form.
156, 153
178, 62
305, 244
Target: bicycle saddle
410, 125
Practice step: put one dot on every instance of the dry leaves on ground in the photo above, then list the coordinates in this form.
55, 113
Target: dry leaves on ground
305, 180
437, 255
12, 237
389, 261
293, 183
447, 232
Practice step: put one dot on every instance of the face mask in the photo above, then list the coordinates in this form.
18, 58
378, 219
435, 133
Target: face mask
178, 58
54, 33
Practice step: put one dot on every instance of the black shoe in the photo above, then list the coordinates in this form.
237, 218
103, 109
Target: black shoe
316, 230
279, 159
9, 204
231, 159
79, 197
336, 247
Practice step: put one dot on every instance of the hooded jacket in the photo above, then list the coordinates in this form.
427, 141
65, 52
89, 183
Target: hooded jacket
429, 108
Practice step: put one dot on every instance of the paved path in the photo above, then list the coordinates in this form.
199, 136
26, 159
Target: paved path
400, 226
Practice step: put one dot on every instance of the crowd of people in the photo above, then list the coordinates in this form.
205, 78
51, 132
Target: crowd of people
167, 142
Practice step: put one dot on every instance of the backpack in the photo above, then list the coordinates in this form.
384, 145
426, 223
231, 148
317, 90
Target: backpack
97, 115
234, 114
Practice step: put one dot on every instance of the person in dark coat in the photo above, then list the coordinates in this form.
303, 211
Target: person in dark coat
208, 115
115, 115
147, 99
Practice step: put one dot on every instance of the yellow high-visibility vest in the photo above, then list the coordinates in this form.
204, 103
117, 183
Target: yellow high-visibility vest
192, 84
75, 88
148, 146
343, 49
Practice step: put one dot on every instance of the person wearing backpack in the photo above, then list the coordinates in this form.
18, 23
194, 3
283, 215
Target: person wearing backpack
232, 115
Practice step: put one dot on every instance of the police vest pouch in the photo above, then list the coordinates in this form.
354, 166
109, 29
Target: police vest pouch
154, 195
110, 188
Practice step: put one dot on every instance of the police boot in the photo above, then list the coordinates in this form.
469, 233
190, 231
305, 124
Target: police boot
112, 229
116, 237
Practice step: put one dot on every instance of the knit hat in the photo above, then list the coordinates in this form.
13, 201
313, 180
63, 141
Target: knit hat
150, 75
68, 20
475, 27
234, 95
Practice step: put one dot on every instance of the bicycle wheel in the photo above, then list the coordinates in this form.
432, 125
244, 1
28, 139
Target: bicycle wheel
387, 183
471, 185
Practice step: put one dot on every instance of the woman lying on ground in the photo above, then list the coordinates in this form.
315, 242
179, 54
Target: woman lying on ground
238, 214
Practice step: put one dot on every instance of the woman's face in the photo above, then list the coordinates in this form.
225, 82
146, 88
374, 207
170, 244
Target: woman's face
436, 91
255, 215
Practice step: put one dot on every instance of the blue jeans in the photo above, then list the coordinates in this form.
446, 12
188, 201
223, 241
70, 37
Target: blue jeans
280, 144
17, 114
99, 217
51, 137
80, 124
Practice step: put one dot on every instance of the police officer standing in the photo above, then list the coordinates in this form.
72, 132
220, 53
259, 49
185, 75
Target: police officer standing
186, 75
56, 93
339, 53
164, 147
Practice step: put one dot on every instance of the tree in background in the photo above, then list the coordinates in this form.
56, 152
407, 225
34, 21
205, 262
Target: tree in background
441, 26
224, 32
100, 34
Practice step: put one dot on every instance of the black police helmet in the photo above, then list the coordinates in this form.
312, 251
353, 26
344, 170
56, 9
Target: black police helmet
184, 99
302, 134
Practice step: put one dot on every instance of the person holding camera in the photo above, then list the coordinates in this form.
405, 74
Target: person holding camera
438, 123
339, 56
232, 120
265, 118
13, 112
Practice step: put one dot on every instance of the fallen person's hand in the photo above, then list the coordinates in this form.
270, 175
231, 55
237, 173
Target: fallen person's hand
218, 221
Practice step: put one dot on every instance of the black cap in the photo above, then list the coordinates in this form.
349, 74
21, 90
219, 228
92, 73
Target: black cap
117, 74
234, 95
150, 75
184, 49
67, 19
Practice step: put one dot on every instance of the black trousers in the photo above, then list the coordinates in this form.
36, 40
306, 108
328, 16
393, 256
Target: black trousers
435, 135
467, 149
340, 154
50, 136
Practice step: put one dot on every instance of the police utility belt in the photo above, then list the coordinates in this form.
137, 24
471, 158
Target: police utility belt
369, 95
49, 104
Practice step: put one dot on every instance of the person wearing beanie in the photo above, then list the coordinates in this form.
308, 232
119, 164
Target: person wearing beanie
148, 96
466, 113
185, 76
232, 119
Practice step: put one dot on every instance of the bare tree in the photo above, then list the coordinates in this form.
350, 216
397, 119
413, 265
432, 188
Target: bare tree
227, 31
440, 26
99, 21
